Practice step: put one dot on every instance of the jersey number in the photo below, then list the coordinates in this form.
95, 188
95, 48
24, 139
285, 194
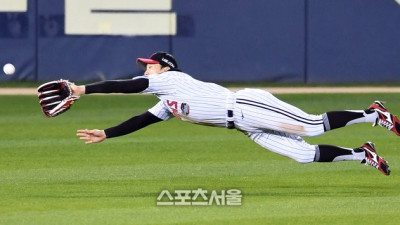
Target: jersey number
173, 105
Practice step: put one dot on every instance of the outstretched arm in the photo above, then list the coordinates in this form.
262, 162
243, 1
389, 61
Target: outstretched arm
133, 124
112, 86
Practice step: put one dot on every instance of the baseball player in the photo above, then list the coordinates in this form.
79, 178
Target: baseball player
270, 122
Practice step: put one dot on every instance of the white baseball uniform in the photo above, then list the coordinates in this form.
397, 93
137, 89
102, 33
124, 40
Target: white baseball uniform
273, 124
270, 122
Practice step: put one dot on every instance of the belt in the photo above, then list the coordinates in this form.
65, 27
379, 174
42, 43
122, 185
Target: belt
230, 123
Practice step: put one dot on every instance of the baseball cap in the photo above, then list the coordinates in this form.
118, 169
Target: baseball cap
163, 58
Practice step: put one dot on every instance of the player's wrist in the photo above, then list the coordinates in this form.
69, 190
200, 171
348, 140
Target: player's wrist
78, 90
110, 133
82, 89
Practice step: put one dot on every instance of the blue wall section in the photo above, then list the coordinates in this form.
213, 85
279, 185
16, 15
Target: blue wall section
88, 57
18, 43
242, 40
307, 41
353, 41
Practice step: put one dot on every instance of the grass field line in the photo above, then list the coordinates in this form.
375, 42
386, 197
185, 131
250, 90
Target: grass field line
274, 90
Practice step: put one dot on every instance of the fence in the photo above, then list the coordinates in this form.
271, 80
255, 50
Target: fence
305, 41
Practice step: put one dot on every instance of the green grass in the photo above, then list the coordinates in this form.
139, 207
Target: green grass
48, 176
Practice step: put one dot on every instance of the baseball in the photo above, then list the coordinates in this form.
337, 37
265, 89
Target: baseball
9, 69
398, 1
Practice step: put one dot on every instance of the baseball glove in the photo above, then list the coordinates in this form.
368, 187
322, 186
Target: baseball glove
55, 97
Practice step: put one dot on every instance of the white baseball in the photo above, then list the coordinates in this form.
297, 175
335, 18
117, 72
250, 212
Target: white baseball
9, 69
398, 1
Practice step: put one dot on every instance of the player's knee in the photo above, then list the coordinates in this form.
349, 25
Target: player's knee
313, 133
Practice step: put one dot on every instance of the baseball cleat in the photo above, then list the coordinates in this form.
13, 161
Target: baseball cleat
385, 118
373, 159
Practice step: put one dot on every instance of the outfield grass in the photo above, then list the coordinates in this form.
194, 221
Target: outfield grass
48, 176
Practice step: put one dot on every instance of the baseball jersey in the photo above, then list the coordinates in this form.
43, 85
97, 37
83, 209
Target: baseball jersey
187, 99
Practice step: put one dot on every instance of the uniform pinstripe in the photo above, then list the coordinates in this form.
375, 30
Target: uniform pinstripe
262, 111
285, 144
205, 101
276, 125
270, 122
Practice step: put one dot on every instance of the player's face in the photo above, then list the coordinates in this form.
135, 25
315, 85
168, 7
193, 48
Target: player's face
153, 69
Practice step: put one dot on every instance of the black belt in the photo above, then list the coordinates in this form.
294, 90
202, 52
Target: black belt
230, 123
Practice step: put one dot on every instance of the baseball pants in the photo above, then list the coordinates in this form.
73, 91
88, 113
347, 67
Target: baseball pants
279, 126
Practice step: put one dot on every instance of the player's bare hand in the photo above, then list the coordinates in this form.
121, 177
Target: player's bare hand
91, 136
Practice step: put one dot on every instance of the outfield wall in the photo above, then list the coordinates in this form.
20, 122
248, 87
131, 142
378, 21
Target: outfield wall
306, 41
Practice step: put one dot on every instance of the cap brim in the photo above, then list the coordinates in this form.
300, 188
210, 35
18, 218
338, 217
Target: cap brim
142, 62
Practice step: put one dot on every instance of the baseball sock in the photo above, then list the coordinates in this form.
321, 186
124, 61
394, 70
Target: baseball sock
337, 119
330, 153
